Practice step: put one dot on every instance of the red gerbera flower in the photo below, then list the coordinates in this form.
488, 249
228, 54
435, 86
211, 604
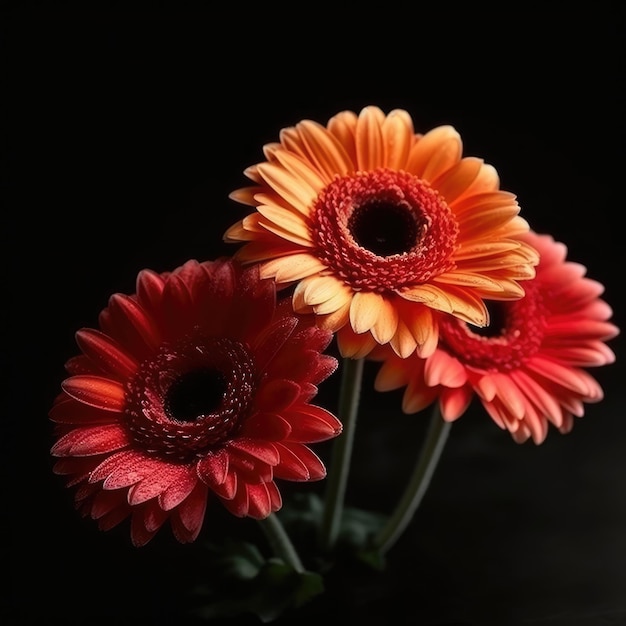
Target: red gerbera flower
528, 369
380, 227
197, 385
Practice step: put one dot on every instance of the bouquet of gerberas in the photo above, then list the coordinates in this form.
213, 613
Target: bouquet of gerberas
197, 391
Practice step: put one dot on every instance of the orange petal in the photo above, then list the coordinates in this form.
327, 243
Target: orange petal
370, 150
454, 182
343, 127
365, 308
387, 323
289, 187
325, 150
437, 151
291, 268
398, 137
403, 342
428, 295
301, 168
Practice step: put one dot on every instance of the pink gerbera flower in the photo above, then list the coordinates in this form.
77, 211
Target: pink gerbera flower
197, 386
379, 228
528, 368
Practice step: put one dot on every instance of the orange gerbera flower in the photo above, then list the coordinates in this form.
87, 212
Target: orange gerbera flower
528, 370
197, 385
379, 228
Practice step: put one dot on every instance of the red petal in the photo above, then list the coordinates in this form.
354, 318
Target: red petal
302, 365
259, 502
213, 469
113, 463
266, 426
277, 395
238, 503
139, 534
264, 451
102, 393
312, 424
154, 516
124, 469
105, 502
131, 472
191, 511
106, 354
291, 467
178, 490
155, 484
149, 289
129, 324
312, 462
272, 339
177, 305
228, 489
68, 411
112, 519
91, 440
252, 307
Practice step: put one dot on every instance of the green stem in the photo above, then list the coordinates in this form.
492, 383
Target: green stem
418, 484
280, 543
351, 376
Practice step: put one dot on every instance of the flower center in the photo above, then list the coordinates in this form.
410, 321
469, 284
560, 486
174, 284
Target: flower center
195, 395
382, 230
515, 334
191, 398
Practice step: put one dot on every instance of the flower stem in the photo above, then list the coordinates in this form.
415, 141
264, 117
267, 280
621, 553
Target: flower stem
280, 542
418, 484
351, 376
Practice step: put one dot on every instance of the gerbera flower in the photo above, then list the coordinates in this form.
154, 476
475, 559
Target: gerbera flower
197, 386
528, 369
379, 228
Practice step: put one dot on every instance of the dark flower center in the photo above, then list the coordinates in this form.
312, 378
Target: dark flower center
191, 398
383, 230
514, 334
195, 395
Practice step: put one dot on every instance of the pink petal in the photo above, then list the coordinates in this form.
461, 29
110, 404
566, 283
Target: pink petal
565, 376
455, 401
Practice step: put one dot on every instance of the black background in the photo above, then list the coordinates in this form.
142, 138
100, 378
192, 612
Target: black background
124, 134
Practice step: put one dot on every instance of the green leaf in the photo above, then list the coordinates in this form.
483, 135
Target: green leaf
245, 582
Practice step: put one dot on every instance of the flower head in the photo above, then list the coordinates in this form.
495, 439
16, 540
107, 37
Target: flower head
197, 386
528, 368
378, 228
